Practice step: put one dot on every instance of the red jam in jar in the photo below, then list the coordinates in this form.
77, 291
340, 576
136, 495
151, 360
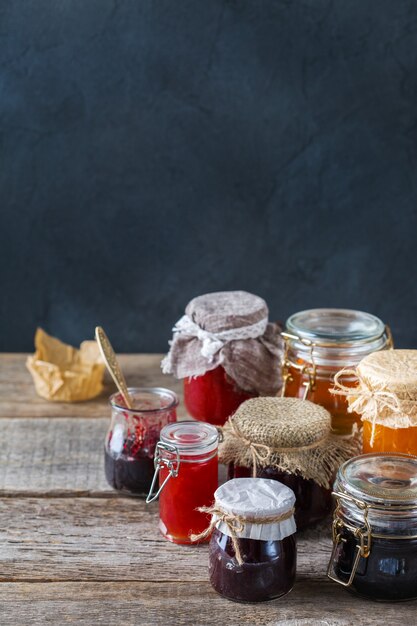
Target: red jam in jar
213, 397
133, 434
375, 527
267, 565
186, 458
313, 502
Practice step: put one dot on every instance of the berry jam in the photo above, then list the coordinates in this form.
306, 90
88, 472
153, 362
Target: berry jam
313, 502
131, 440
195, 445
267, 571
388, 574
213, 397
133, 475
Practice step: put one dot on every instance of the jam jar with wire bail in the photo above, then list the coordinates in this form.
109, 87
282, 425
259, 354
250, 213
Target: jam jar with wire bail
187, 466
375, 527
319, 343
133, 434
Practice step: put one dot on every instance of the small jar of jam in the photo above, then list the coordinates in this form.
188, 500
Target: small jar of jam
252, 552
186, 462
133, 434
226, 351
375, 527
288, 440
385, 395
319, 343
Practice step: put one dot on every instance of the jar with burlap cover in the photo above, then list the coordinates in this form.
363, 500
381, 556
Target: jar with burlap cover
289, 434
231, 329
386, 389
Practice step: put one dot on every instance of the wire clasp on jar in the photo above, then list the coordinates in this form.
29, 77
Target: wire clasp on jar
362, 535
171, 462
309, 370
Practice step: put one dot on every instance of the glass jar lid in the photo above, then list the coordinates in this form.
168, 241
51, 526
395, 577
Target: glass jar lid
191, 437
381, 479
335, 336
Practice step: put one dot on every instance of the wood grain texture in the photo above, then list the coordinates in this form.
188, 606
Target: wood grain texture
53, 456
65, 539
19, 399
311, 603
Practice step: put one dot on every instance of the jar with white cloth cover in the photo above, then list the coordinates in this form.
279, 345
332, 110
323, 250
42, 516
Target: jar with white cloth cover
226, 351
252, 552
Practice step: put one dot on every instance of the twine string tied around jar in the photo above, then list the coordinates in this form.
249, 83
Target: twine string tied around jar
365, 400
261, 453
235, 524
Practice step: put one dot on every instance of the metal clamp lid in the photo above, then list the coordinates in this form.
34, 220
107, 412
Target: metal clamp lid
361, 534
304, 369
172, 464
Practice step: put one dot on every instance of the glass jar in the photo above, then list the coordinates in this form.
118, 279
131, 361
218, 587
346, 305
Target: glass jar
213, 397
186, 461
267, 564
375, 527
133, 434
319, 343
312, 501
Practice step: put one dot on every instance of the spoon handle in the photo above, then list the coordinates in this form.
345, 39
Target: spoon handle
112, 364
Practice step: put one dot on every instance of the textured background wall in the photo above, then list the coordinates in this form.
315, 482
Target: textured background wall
155, 150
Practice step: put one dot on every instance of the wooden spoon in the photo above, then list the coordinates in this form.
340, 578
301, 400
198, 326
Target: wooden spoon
112, 364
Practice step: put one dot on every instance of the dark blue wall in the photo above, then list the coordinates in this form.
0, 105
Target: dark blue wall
155, 150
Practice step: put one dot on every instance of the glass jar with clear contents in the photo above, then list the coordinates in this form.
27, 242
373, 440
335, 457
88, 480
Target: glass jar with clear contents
133, 434
186, 462
319, 343
375, 527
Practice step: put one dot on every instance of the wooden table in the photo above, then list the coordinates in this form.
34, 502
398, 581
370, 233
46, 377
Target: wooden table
75, 552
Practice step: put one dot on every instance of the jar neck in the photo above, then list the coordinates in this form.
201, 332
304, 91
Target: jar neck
332, 357
382, 521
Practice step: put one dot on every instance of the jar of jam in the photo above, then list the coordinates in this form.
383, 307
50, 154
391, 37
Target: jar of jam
375, 527
226, 351
288, 440
319, 343
186, 462
252, 552
313, 502
133, 434
385, 395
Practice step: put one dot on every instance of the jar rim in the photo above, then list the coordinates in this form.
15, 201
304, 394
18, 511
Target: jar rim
190, 436
380, 479
159, 392
334, 327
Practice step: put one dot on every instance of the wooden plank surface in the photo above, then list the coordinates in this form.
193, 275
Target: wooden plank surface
310, 603
19, 399
53, 456
74, 551
96, 539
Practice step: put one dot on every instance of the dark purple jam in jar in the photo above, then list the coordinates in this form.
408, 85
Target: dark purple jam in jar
268, 570
312, 501
130, 442
268, 563
375, 527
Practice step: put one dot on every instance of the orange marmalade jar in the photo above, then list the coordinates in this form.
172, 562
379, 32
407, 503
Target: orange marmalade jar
319, 343
385, 395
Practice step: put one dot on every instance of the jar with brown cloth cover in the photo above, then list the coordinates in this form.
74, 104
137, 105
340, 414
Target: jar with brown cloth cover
289, 440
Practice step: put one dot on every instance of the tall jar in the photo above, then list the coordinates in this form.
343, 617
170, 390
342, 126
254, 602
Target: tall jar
187, 465
288, 440
252, 553
132, 436
319, 343
226, 351
385, 395
375, 527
